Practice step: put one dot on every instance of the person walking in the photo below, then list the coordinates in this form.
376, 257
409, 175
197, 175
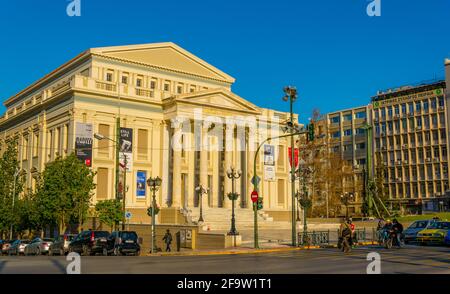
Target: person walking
168, 240
345, 234
398, 230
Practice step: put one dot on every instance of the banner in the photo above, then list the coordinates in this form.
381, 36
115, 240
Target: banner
295, 156
83, 143
126, 148
141, 178
269, 155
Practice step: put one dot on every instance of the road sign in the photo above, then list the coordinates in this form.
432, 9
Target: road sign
128, 215
256, 180
254, 196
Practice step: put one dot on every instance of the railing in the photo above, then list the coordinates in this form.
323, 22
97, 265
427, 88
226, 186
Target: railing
105, 86
313, 238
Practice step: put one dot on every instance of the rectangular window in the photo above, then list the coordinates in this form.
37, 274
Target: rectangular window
281, 192
124, 80
192, 89
36, 145
348, 117
103, 145
418, 106
167, 87
335, 119
139, 82
361, 114
102, 183
336, 134
142, 144
348, 132
180, 89
153, 85
109, 76
25, 148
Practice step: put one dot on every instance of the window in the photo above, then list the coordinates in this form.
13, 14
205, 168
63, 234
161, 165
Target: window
348, 117
192, 89
180, 89
25, 148
411, 107
361, 114
336, 134
397, 109
142, 144
403, 108
139, 82
335, 120
102, 183
109, 76
418, 106
167, 87
425, 105
389, 111
383, 112
153, 85
347, 147
103, 145
360, 146
124, 80
36, 144
348, 132
441, 101
361, 131
433, 103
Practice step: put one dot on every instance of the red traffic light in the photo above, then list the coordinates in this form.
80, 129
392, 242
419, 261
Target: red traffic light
254, 196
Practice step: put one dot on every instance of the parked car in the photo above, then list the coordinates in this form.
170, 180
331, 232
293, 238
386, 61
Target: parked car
1, 245
38, 246
61, 244
123, 243
90, 243
18, 247
435, 233
6, 246
410, 234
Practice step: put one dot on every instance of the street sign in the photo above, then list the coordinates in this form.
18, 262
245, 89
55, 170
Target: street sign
256, 180
128, 215
254, 196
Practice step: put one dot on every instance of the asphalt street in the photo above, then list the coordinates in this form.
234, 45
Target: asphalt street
410, 259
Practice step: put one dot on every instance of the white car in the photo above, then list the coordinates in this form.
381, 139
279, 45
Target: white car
38, 246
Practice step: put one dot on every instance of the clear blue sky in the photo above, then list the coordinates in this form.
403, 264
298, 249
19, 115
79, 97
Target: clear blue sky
334, 53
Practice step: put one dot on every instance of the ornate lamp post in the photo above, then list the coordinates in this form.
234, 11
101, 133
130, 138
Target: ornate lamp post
346, 198
233, 174
201, 190
154, 184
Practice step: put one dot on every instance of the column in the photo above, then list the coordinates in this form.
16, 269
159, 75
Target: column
229, 145
176, 147
250, 160
191, 165
165, 166
215, 175
204, 148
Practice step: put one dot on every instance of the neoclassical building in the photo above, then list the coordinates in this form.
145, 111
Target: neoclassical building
179, 120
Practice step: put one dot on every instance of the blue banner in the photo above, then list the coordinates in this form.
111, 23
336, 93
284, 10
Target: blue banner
141, 179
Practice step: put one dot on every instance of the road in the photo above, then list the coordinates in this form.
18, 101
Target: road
410, 259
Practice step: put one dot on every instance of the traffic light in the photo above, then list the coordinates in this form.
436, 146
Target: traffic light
310, 132
259, 204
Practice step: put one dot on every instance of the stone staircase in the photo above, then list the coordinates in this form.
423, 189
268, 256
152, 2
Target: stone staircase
219, 219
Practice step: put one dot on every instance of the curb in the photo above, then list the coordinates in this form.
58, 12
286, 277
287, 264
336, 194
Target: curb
234, 252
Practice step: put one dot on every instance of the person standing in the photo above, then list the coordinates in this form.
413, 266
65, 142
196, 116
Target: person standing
398, 230
168, 240
345, 234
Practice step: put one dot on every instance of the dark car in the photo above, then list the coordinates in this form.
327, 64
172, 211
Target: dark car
124, 243
90, 243
61, 244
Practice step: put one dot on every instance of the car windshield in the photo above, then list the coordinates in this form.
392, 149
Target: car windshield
101, 234
440, 225
26, 241
69, 237
420, 225
128, 236
47, 240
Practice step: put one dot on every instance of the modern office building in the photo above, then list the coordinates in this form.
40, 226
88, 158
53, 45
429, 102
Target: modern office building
411, 143
179, 120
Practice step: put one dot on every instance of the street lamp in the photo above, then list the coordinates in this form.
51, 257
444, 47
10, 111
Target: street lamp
201, 190
16, 174
290, 94
233, 174
346, 198
304, 199
124, 188
154, 184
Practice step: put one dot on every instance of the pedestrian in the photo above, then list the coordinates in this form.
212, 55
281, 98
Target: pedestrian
398, 230
168, 240
345, 234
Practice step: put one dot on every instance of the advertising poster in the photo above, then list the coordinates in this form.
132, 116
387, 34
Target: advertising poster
126, 148
83, 142
269, 173
269, 155
141, 178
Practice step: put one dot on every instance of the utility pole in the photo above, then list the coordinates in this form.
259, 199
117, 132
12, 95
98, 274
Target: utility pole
124, 190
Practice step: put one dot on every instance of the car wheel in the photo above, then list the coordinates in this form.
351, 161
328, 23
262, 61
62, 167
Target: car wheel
137, 253
38, 251
105, 251
85, 250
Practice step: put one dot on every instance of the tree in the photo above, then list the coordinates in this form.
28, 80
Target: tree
11, 184
109, 212
64, 192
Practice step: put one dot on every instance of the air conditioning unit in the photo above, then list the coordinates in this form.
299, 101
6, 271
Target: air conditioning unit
399, 162
405, 161
418, 128
399, 179
428, 159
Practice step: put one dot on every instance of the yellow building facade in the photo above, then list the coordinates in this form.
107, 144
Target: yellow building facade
186, 126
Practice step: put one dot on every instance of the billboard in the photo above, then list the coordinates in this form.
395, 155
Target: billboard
141, 178
83, 142
126, 147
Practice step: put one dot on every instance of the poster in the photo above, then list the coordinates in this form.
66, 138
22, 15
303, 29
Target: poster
141, 178
83, 142
126, 148
269, 155
269, 173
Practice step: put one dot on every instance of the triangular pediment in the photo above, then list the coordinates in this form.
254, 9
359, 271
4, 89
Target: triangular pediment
220, 99
165, 56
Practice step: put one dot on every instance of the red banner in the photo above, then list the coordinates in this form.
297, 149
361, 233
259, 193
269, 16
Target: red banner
295, 156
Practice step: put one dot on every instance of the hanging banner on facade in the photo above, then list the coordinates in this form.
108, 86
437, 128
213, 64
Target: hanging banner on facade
141, 178
295, 156
269, 155
269, 173
83, 142
126, 148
